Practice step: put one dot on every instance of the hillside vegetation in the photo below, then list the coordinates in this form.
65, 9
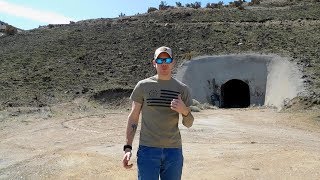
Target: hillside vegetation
103, 58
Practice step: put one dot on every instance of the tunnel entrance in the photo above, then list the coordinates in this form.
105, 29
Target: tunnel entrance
272, 80
235, 94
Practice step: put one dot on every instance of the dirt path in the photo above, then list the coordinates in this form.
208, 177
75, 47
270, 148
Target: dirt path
222, 144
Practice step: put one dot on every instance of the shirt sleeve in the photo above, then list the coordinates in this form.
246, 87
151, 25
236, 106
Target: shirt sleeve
186, 97
187, 120
137, 94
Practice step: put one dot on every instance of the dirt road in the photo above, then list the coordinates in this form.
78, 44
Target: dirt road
222, 144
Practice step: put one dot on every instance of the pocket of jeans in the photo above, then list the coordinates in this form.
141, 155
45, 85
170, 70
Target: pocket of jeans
142, 149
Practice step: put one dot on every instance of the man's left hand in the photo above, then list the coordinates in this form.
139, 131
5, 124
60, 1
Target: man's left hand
179, 106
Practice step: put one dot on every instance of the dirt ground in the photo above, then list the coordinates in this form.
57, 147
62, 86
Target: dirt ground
86, 143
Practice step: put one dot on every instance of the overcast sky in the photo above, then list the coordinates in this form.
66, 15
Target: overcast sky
29, 14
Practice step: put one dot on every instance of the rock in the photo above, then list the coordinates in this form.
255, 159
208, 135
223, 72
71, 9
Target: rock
308, 65
195, 109
195, 102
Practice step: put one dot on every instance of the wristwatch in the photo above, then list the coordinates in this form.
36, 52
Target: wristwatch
127, 146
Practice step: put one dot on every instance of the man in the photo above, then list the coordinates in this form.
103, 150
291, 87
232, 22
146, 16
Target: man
160, 98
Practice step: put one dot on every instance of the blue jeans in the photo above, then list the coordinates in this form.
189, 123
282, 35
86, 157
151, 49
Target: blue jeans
153, 161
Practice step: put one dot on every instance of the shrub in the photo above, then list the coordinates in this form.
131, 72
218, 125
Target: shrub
122, 15
236, 3
196, 5
151, 9
213, 5
210, 5
10, 30
231, 4
189, 55
188, 5
163, 5
241, 8
253, 2
50, 26
178, 4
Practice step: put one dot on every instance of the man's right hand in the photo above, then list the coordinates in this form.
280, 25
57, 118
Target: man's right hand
126, 159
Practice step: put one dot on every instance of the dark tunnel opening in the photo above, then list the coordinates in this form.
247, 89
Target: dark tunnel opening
235, 94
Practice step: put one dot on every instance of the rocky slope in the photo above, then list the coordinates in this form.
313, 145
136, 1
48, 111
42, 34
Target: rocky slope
103, 58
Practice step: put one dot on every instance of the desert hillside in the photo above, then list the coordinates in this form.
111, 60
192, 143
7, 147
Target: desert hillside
64, 92
104, 58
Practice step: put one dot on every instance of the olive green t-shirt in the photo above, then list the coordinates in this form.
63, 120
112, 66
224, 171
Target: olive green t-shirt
159, 123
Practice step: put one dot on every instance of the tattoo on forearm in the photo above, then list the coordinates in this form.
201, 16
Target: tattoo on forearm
134, 128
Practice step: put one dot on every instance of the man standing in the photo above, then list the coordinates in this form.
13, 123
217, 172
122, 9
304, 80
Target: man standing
160, 98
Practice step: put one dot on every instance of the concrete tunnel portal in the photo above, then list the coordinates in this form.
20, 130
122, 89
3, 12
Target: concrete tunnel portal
235, 94
239, 81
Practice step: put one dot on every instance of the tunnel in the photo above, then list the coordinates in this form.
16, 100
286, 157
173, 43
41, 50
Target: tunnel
242, 80
235, 94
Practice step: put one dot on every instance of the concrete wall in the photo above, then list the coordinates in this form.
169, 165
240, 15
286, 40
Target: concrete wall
205, 76
284, 82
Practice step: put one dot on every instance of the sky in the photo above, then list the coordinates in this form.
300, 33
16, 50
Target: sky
30, 14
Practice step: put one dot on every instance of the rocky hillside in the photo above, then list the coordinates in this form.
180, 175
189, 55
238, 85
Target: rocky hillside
3, 26
100, 58
1, 22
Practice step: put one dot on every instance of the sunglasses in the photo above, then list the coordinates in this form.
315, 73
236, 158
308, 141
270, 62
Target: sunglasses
164, 60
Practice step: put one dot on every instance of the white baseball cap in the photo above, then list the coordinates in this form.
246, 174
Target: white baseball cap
161, 50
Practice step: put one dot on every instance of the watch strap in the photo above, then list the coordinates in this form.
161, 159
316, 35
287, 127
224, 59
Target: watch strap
127, 146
